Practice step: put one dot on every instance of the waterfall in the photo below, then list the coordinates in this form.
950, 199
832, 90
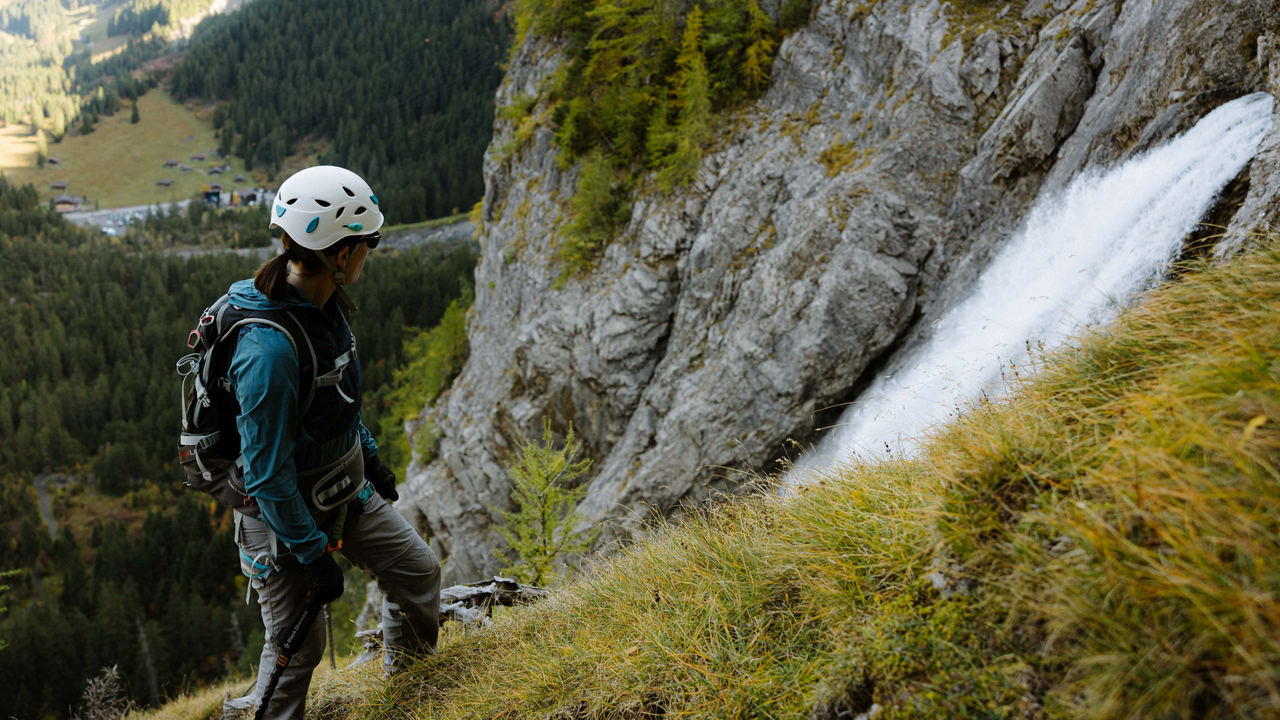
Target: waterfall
1080, 256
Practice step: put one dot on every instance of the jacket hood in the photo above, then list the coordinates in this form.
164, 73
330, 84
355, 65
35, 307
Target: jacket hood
245, 295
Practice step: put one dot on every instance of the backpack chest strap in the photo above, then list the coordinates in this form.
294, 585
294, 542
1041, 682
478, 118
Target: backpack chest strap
333, 377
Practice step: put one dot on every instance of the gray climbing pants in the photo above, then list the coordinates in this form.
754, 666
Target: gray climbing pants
385, 547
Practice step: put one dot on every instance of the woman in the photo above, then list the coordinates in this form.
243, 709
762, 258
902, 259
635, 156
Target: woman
306, 467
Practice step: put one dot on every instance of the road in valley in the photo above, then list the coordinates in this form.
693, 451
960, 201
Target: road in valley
117, 219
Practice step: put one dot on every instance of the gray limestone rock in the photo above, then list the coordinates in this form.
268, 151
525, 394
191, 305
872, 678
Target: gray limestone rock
738, 313
451, 234
1261, 209
981, 69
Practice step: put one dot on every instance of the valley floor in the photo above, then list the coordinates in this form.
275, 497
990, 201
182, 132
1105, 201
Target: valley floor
118, 164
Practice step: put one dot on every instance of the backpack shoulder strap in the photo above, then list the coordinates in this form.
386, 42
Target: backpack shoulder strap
303, 350
307, 362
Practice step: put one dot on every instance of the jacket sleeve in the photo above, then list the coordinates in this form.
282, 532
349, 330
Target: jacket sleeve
264, 373
369, 446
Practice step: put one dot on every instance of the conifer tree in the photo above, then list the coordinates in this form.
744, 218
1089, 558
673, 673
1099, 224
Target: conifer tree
4, 589
58, 124
134, 118
225, 138
75, 577
661, 137
599, 207
543, 528
42, 148
759, 54
693, 97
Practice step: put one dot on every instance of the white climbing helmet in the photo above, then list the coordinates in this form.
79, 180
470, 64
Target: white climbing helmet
320, 205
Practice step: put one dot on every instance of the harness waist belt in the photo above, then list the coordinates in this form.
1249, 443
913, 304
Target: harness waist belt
328, 487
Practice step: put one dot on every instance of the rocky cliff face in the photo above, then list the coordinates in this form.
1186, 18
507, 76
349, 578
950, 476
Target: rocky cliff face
897, 146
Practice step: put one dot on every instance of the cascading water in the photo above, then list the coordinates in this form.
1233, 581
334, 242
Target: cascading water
1080, 257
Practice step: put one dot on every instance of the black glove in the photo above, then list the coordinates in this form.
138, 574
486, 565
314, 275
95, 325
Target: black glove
381, 477
324, 579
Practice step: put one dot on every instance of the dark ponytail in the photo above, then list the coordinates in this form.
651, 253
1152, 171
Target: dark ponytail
272, 277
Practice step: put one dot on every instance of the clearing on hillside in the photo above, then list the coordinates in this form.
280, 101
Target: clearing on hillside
94, 26
119, 163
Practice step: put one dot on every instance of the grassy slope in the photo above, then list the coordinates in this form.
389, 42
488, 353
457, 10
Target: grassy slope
1104, 540
97, 28
118, 164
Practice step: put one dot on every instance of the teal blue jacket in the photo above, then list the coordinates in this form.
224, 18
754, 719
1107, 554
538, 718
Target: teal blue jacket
264, 373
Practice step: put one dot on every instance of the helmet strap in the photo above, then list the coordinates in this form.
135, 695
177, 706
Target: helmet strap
339, 279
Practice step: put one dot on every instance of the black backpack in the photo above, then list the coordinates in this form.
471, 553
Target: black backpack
209, 447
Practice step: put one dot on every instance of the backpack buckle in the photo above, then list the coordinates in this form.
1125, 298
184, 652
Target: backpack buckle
196, 335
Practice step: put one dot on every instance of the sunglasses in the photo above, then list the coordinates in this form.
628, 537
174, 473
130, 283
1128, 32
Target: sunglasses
373, 240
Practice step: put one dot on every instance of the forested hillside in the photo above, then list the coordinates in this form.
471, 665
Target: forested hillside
43, 84
91, 331
117, 71
401, 91
40, 20
32, 81
32, 49
166, 605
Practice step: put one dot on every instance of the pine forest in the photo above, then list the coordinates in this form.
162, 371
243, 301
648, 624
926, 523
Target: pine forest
92, 329
392, 90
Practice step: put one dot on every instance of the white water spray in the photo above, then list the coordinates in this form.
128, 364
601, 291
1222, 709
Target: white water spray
1079, 258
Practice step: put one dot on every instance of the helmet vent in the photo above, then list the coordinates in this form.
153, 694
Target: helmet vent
339, 214
360, 210
322, 203
290, 202
347, 190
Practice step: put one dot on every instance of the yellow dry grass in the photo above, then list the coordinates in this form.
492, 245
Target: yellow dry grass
119, 163
17, 147
1101, 543
203, 705
334, 693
